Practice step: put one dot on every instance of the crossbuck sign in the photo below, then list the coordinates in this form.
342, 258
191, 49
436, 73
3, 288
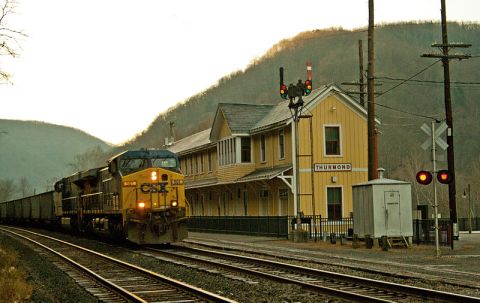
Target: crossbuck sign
438, 132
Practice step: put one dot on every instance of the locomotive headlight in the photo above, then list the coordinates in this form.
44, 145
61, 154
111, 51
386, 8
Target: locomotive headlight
141, 205
174, 203
154, 176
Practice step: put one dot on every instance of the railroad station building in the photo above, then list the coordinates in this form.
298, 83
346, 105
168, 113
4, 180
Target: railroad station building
244, 165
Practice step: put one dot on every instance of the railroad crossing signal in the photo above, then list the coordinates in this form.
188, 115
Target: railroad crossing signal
438, 132
444, 176
424, 177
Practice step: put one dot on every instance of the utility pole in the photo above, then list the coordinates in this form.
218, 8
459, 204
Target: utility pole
446, 57
360, 78
372, 136
361, 81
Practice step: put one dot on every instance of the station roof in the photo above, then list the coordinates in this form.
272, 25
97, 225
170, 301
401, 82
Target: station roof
191, 143
265, 173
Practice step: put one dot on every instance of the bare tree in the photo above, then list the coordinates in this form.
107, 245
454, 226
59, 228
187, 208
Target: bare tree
9, 38
24, 187
94, 157
7, 189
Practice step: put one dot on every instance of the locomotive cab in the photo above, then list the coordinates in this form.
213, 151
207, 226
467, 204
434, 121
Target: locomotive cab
152, 193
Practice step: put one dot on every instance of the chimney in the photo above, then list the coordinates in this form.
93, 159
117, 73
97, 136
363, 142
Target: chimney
380, 172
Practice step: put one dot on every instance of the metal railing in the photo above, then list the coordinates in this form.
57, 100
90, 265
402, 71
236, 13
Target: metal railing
464, 224
279, 226
424, 231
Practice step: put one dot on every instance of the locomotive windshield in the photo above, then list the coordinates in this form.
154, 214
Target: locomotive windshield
130, 165
164, 162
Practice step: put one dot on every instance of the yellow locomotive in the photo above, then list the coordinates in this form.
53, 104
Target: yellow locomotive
140, 195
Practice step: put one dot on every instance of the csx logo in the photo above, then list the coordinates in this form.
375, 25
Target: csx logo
153, 188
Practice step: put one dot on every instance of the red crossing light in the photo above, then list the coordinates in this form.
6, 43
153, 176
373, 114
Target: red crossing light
424, 177
444, 176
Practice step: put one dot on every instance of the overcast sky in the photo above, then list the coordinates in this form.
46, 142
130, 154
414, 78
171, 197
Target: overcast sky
109, 67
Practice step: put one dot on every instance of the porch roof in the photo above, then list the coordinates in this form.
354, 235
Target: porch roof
265, 173
191, 184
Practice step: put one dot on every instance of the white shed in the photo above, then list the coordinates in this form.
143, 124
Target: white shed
382, 207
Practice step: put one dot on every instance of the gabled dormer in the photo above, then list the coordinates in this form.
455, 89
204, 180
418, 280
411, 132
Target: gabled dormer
230, 131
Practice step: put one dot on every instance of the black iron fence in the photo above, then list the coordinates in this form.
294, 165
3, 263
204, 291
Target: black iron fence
280, 226
464, 224
321, 228
424, 231
317, 227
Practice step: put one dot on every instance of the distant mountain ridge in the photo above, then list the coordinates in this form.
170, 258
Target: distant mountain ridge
41, 152
334, 54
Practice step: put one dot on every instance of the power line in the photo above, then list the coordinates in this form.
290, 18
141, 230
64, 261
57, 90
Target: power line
428, 81
416, 74
409, 113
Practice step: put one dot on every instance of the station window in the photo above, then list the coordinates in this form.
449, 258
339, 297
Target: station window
332, 141
226, 151
245, 149
334, 203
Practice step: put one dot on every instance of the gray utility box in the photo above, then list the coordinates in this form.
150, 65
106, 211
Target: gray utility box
382, 207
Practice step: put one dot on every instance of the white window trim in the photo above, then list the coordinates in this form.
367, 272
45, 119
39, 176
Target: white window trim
325, 141
326, 200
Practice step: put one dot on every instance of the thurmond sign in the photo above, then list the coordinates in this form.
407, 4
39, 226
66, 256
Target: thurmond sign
320, 167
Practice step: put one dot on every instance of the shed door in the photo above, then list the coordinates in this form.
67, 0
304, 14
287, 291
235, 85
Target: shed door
392, 213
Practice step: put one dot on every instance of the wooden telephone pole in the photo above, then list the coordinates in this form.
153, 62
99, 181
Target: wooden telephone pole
446, 57
372, 136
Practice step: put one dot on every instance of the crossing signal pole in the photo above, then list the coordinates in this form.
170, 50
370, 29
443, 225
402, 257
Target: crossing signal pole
446, 57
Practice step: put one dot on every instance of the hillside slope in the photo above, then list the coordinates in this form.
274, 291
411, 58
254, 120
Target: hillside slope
334, 54
40, 152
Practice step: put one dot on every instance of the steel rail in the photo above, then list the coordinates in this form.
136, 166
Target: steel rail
206, 295
428, 294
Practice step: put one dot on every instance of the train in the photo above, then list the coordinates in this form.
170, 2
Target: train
139, 196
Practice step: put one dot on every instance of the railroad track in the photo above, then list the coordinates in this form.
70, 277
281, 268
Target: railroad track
116, 280
451, 277
344, 286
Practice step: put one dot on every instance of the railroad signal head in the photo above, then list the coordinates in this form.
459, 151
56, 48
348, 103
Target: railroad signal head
424, 177
283, 91
444, 176
308, 87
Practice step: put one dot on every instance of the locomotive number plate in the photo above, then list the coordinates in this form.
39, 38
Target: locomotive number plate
129, 183
177, 182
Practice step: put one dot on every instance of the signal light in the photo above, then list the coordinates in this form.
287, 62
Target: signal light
424, 177
283, 91
444, 176
154, 176
308, 87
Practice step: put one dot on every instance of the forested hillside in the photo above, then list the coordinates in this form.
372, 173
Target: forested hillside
334, 54
34, 154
